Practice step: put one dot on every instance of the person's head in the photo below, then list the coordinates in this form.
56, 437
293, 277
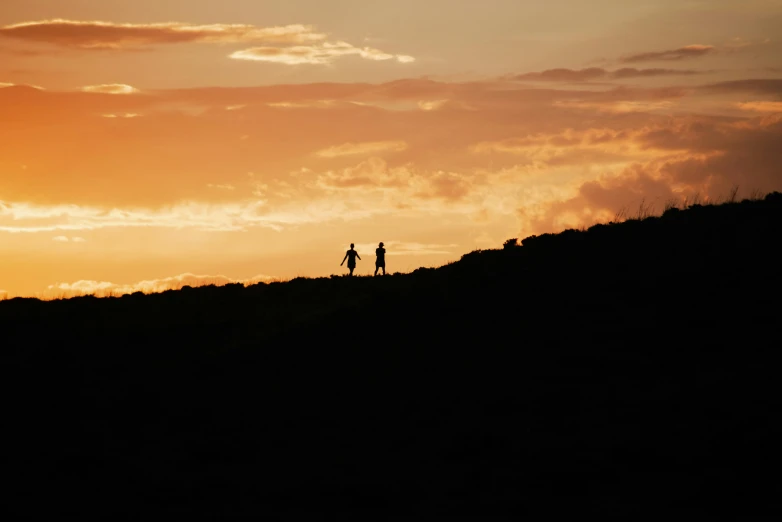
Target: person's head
381, 244
352, 245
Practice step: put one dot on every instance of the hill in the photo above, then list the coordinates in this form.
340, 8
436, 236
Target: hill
626, 371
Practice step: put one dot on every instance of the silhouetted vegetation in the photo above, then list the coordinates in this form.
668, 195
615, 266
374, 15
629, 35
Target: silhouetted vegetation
625, 371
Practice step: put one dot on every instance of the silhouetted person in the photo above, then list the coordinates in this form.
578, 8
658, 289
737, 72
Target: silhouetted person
380, 252
351, 256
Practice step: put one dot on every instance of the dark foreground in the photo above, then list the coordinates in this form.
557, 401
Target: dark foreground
628, 372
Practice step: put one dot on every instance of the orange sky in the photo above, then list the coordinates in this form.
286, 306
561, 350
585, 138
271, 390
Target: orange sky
142, 142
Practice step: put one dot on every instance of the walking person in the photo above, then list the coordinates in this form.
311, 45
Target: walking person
351, 256
380, 252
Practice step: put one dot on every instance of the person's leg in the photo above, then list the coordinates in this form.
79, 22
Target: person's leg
384, 269
376, 267
351, 270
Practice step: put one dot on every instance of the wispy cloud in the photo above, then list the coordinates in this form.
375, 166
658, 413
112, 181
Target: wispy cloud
432, 105
6, 85
290, 44
311, 104
127, 115
738, 44
316, 203
26, 217
319, 54
573, 147
682, 53
374, 172
110, 88
631, 72
618, 106
761, 106
356, 149
756, 86
101, 35
105, 288
404, 182
405, 248
66, 239
596, 73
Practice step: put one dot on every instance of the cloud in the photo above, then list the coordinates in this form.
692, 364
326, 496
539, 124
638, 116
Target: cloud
431, 105
449, 186
396, 186
519, 144
127, 115
750, 85
432, 170
565, 155
631, 72
707, 156
26, 217
400, 94
320, 54
105, 288
386, 188
4, 85
311, 104
619, 107
21, 86
722, 154
596, 73
111, 88
761, 106
26, 53
574, 147
564, 75
738, 44
371, 173
596, 201
404, 248
276, 205
66, 239
100, 35
356, 149
682, 53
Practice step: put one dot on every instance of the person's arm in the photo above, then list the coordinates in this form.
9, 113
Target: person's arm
358, 256
343, 259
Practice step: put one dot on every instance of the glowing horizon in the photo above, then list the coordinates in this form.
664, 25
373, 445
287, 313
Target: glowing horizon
145, 143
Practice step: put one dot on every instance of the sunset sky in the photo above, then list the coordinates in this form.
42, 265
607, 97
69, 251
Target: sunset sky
145, 141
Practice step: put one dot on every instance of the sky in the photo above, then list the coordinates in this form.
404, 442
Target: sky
149, 144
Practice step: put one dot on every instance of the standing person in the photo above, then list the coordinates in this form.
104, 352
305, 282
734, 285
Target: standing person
380, 252
351, 256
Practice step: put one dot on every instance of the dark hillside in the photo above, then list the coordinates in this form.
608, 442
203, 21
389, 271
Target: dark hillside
624, 372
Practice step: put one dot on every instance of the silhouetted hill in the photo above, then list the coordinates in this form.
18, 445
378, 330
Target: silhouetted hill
627, 371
